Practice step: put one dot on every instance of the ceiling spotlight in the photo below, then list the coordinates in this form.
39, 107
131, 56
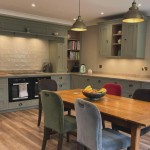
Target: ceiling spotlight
102, 13
33, 5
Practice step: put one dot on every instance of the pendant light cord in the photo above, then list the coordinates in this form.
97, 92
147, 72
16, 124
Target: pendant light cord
79, 7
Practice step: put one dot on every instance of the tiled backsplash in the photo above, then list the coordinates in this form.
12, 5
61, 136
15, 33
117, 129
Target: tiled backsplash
17, 53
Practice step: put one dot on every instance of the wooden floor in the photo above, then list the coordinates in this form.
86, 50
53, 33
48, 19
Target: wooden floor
19, 131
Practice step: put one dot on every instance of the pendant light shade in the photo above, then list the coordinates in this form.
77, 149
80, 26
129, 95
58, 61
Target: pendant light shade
133, 15
79, 24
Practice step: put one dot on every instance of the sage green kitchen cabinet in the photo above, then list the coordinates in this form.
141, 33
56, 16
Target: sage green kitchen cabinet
58, 56
145, 85
23, 104
133, 40
79, 81
63, 81
3, 94
123, 40
105, 31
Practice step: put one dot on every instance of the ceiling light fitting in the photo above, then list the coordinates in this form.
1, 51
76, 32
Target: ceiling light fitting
79, 24
133, 15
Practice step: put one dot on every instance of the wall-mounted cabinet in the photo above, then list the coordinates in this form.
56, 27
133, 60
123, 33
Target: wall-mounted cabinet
31, 28
73, 51
116, 39
105, 39
124, 40
133, 40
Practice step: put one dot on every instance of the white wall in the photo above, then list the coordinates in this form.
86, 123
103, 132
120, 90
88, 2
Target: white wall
18, 53
91, 58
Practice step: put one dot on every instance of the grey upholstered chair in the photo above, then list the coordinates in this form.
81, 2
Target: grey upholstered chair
139, 94
47, 84
89, 129
54, 118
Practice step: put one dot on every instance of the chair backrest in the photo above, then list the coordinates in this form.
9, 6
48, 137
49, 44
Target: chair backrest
113, 89
47, 84
142, 94
89, 124
53, 109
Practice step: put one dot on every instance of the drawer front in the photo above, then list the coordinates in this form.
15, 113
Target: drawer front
23, 104
63, 81
145, 85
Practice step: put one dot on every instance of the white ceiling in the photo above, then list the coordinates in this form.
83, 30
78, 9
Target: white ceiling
63, 11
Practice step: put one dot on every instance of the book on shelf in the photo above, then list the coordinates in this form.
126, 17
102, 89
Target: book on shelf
73, 55
74, 45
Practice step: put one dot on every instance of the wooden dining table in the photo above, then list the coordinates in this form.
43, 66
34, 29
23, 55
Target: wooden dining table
126, 112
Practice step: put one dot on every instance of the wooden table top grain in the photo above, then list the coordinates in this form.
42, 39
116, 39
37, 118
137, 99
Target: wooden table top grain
127, 112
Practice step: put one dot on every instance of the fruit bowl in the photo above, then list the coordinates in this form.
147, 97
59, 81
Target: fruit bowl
93, 96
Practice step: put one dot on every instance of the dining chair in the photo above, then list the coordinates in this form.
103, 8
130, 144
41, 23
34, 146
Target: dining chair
139, 94
90, 133
47, 84
54, 118
113, 89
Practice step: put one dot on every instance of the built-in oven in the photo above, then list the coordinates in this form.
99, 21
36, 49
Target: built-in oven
24, 88
19, 89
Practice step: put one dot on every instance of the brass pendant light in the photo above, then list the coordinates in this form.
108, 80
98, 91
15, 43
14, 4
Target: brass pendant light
79, 24
133, 15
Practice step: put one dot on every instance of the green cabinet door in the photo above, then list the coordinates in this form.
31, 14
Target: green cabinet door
105, 31
58, 56
133, 40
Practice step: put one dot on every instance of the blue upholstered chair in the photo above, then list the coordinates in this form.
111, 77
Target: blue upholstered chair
90, 132
54, 118
139, 94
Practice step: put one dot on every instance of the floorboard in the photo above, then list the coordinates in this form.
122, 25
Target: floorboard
19, 131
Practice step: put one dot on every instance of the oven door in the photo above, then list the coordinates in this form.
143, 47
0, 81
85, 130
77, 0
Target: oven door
19, 91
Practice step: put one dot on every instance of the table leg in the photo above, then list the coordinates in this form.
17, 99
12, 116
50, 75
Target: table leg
135, 137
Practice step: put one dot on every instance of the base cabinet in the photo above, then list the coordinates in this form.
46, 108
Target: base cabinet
23, 104
63, 81
128, 87
3, 94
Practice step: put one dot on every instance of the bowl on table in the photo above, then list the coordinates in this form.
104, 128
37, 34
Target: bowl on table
93, 96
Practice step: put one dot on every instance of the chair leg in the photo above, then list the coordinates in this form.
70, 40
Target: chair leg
40, 112
45, 137
68, 135
69, 112
60, 141
81, 147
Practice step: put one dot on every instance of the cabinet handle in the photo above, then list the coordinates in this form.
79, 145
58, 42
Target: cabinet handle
130, 85
20, 104
88, 79
125, 39
99, 81
130, 95
60, 77
106, 41
60, 85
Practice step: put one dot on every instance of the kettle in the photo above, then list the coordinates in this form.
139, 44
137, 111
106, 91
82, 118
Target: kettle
82, 68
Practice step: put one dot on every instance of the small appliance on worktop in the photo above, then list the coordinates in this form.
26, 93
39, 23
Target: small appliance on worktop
82, 68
